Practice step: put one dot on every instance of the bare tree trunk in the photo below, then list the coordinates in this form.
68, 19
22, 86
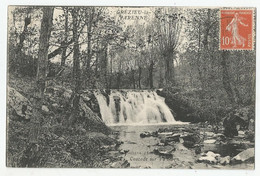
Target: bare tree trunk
161, 81
226, 77
118, 80
76, 70
139, 76
45, 33
42, 64
89, 45
151, 67
103, 64
169, 69
110, 76
66, 28
133, 77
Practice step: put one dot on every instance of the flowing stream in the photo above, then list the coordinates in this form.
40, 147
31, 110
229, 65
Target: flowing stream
131, 112
127, 107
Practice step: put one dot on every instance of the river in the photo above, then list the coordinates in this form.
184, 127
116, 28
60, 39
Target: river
139, 152
132, 112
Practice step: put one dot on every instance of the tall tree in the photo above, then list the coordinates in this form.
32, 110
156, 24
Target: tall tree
45, 32
65, 41
76, 68
76, 51
169, 24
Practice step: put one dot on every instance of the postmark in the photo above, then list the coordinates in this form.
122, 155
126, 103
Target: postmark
236, 29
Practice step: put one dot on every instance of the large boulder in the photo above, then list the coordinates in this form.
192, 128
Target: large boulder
58, 94
20, 104
243, 156
242, 118
89, 98
91, 120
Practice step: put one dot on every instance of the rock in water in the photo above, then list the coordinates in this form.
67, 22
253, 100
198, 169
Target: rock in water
21, 105
210, 158
164, 134
224, 160
190, 140
210, 141
145, 134
173, 138
243, 156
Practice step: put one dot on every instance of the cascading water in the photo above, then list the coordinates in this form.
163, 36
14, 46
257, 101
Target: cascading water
133, 107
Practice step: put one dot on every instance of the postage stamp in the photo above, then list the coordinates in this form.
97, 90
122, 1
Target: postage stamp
236, 29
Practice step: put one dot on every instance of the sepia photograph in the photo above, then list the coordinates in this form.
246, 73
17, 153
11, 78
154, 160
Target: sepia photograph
154, 87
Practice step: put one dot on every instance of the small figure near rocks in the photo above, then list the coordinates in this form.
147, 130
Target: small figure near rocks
232, 123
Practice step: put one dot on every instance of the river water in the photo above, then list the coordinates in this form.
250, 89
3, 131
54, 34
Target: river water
139, 151
132, 112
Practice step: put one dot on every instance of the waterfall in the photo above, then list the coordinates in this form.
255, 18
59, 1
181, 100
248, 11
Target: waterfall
133, 107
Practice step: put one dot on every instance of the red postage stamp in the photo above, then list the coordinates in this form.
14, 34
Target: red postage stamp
236, 29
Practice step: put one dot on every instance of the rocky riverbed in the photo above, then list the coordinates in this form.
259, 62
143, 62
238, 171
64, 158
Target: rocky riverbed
189, 146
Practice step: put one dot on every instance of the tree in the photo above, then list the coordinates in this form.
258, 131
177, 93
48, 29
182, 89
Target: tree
76, 68
22, 36
226, 78
169, 24
42, 65
45, 32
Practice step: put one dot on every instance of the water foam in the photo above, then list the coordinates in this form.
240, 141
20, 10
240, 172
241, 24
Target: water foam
128, 107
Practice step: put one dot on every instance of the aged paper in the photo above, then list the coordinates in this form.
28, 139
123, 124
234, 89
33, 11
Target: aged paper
131, 87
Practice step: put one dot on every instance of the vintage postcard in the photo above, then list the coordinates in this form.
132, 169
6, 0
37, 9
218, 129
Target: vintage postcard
131, 87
